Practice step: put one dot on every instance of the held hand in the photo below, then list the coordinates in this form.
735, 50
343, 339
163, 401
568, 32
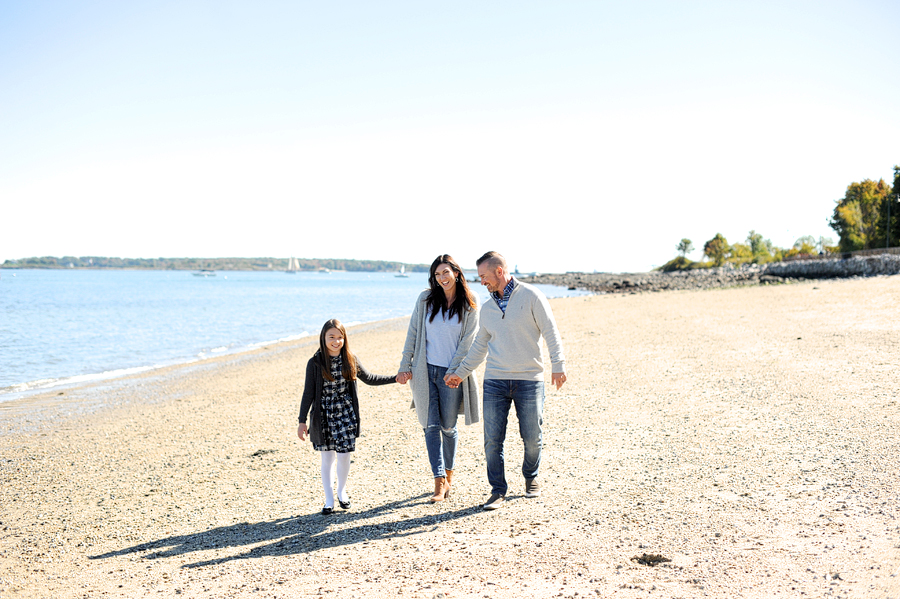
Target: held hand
558, 378
403, 377
301, 431
452, 381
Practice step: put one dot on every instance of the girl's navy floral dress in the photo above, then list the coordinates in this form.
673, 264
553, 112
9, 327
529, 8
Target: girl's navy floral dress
337, 408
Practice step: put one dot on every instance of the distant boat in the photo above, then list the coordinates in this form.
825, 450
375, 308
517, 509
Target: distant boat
324, 271
402, 273
293, 266
205, 273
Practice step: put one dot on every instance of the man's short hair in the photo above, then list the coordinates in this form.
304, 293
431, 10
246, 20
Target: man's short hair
494, 259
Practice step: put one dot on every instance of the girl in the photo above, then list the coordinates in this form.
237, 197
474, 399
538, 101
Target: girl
441, 330
330, 395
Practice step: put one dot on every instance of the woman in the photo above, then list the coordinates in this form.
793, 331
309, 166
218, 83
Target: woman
441, 331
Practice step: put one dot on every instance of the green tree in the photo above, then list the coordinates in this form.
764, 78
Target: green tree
825, 244
857, 216
740, 254
805, 245
685, 247
892, 226
761, 249
716, 249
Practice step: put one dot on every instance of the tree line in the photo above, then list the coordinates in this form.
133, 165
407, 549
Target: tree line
867, 217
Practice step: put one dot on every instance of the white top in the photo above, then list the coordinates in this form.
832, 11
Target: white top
441, 338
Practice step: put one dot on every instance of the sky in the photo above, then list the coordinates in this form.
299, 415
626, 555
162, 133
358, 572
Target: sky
569, 136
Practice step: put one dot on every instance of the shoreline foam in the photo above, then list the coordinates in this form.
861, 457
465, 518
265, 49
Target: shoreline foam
24, 390
39, 360
80, 397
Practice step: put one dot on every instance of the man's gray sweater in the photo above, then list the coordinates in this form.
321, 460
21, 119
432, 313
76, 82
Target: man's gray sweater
512, 341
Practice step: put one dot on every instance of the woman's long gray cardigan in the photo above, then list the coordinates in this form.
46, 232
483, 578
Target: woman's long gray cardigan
414, 361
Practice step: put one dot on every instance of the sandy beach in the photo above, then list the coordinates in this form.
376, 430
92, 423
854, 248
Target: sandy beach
723, 443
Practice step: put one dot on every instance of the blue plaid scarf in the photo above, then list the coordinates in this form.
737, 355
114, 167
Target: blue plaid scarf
503, 300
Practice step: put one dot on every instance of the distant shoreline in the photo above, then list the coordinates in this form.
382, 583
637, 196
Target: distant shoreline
258, 264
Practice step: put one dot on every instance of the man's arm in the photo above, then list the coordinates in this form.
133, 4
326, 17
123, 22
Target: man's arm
543, 316
474, 357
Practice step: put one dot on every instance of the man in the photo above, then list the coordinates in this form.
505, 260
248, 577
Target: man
512, 326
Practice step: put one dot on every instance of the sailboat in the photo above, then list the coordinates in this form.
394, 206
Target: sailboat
293, 266
402, 272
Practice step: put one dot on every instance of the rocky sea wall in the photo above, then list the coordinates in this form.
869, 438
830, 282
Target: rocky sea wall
726, 276
857, 266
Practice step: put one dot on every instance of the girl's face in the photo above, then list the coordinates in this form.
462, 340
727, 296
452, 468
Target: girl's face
334, 341
445, 277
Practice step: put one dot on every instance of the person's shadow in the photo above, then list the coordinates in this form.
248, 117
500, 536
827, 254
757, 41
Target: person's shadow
294, 534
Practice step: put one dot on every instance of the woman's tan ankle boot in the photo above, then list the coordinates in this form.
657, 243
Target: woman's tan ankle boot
449, 483
440, 489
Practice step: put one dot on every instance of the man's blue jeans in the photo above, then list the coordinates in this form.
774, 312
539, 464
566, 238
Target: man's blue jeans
528, 397
441, 436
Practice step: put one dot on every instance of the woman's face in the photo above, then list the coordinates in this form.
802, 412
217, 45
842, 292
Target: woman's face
334, 341
445, 277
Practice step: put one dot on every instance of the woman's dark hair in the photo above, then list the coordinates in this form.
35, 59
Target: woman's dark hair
348, 362
437, 300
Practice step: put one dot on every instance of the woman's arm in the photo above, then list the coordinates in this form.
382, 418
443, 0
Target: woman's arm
412, 333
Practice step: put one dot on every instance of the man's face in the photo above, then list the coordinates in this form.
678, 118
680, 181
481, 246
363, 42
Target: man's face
491, 277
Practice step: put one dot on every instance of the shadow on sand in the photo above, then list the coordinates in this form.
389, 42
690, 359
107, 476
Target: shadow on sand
295, 534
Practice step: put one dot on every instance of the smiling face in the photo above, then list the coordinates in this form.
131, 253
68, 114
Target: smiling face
334, 341
445, 277
492, 277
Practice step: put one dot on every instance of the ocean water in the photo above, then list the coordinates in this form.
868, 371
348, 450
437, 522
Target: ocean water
63, 327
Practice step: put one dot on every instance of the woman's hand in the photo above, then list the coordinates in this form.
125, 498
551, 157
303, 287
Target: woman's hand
302, 431
452, 381
403, 377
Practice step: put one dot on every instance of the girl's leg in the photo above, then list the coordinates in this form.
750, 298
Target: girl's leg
343, 471
327, 484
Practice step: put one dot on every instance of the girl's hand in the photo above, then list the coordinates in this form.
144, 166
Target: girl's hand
301, 431
403, 377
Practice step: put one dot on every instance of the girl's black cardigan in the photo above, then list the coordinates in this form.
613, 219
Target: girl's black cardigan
312, 395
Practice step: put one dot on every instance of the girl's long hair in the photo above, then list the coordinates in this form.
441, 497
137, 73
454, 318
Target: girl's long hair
437, 300
348, 362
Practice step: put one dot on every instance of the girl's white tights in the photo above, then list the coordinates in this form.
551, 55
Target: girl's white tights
343, 470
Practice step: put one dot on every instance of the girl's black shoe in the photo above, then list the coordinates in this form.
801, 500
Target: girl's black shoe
327, 510
344, 504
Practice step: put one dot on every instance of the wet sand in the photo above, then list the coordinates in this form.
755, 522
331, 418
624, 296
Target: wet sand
748, 436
